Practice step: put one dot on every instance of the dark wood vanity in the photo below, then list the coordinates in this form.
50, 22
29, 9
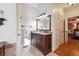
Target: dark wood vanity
42, 41
41, 38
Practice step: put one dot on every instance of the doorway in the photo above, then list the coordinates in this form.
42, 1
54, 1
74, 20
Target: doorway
73, 27
26, 35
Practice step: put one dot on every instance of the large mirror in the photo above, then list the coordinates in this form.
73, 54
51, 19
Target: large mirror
44, 23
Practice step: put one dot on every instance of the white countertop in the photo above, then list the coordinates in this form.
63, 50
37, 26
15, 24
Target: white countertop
42, 33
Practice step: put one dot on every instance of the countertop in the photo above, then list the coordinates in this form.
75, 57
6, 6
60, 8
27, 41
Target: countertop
42, 32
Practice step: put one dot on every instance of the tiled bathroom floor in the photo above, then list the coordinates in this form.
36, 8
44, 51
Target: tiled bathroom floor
32, 51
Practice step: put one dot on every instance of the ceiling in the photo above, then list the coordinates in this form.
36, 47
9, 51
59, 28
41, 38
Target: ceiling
55, 5
65, 5
35, 5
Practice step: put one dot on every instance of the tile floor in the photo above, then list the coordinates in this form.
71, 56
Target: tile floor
32, 51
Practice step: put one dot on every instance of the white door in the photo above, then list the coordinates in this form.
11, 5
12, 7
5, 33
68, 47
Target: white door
19, 29
23, 35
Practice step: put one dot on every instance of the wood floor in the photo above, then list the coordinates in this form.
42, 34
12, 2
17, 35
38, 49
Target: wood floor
10, 50
70, 48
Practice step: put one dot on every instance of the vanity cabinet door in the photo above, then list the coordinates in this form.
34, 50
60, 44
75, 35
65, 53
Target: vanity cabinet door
42, 43
33, 39
38, 41
48, 43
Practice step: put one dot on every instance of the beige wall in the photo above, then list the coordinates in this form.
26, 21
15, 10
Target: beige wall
58, 17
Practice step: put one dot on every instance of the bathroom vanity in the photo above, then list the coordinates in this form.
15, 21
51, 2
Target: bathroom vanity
41, 38
42, 41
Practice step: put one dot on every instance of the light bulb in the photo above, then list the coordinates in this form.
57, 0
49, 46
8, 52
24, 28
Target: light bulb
70, 3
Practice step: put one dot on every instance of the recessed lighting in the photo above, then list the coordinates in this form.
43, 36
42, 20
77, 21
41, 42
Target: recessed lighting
70, 4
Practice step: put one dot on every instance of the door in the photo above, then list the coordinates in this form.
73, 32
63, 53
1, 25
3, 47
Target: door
19, 29
23, 30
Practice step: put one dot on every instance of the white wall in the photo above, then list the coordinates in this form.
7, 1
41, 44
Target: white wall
8, 31
29, 16
44, 8
57, 27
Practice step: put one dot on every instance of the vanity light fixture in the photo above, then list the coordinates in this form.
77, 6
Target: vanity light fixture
42, 15
70, 4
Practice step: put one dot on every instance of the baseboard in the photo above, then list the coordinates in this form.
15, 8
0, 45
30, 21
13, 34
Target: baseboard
53, 49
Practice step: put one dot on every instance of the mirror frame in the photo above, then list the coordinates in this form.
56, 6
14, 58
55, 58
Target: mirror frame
49, 23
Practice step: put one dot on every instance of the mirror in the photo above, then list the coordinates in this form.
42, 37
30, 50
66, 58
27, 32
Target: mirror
44, 23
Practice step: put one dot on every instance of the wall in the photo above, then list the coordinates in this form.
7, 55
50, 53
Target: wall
71, 12
8, 31
29, 16
57, 27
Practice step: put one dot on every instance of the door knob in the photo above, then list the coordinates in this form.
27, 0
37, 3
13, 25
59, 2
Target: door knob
19, 34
